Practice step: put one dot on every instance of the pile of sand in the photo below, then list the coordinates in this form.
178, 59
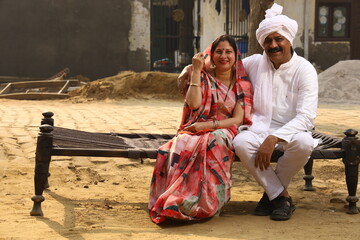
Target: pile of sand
337, 84
340, 83
129, 84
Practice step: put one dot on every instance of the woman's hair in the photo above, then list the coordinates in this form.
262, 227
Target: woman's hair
223, 38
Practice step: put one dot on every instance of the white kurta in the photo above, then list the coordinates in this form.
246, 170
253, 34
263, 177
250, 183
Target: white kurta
294, 95
294, 105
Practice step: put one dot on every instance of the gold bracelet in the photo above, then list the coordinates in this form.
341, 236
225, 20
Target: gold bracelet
195, 84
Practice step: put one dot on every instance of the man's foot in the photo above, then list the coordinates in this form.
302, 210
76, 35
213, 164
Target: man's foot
284, 208
264, 206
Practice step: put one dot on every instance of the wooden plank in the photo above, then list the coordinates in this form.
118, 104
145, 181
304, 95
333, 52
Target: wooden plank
6, 89
10, 79
42, 83
37, 90
34, 96
65, 87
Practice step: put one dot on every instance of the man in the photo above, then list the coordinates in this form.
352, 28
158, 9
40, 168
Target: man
285, 104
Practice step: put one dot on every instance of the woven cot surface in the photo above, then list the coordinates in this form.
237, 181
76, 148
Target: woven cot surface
69, 138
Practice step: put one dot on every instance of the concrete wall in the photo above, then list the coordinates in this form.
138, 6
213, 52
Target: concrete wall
94, 38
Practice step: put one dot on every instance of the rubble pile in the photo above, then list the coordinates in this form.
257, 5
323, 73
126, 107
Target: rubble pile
340, 83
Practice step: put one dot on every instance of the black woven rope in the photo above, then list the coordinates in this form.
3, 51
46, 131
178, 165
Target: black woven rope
69, 138
64, 137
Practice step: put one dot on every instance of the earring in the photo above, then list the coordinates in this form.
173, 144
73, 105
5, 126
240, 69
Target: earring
234, 67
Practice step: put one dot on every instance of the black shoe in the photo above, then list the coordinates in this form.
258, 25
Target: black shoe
284, 208
264, 206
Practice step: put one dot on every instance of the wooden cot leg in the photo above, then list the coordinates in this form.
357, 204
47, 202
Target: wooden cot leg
351, 159
308, 177
47, 118
351, 172
50, 121
42, 162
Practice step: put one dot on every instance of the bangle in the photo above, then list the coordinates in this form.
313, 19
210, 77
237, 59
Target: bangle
195, 84
216, 123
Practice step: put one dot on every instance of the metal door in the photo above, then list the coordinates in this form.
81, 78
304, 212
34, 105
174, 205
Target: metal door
172, 39
237, 15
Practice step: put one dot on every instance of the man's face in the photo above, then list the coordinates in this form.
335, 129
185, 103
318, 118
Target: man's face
278, 48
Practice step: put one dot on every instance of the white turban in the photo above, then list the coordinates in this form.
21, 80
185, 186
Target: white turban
276, 22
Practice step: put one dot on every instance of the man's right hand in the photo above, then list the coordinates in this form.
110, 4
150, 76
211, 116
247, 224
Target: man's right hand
266, 149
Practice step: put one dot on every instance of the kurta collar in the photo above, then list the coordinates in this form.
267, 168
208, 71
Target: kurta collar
284, 65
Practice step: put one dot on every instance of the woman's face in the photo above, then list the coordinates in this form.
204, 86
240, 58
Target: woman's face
223, 56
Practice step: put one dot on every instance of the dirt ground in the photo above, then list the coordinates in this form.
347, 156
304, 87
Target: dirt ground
106, 198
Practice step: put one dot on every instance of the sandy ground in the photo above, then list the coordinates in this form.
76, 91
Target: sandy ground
106, 198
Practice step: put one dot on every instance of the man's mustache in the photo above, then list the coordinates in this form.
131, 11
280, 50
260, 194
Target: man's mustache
274, 50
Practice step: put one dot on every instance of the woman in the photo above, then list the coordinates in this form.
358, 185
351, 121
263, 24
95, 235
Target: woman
192, 175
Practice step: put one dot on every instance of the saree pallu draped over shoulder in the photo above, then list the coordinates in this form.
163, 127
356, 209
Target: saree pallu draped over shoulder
192, 174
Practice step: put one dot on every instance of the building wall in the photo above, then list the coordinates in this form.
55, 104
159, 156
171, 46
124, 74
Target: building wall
212, 23
321, 54
139, 36
95, 38
296, 13
99, 38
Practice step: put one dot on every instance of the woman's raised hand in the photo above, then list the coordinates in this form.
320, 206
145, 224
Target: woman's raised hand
193, 96
198, 61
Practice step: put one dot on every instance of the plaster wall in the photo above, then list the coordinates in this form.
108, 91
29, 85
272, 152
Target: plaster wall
295, 9
91, 37
139, 36
212, 23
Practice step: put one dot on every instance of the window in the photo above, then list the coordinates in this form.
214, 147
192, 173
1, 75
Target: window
332, 20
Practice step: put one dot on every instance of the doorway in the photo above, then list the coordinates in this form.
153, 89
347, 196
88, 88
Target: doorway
172, 38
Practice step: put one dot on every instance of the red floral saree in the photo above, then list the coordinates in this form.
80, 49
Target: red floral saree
192, 174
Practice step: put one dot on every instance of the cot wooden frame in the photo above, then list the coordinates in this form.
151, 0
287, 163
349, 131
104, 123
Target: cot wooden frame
49, 144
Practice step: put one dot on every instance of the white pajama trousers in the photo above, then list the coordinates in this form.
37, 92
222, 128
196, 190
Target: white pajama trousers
296, 155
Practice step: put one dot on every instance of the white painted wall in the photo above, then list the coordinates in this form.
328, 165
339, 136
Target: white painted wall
212, 24
139, 34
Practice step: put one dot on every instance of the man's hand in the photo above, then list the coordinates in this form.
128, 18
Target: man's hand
266, 149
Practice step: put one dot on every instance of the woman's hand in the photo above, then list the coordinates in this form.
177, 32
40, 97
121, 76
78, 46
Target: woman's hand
198, 62
195, 127
193, 96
